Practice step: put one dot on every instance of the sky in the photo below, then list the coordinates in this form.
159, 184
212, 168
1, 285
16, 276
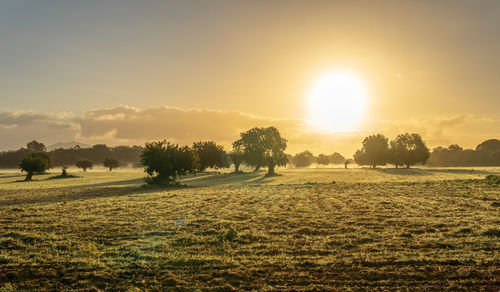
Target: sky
125, 72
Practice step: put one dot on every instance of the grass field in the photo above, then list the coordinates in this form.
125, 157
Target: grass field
323, 229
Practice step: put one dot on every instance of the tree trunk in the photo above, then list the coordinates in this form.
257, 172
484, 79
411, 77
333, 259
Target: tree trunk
29, 176
407, 166
257, 168
236, 168
345, 165
270, 170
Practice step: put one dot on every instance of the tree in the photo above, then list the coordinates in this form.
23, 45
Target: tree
236, 156
374, 151
35, 146
303, 159
263, 147
84, 164
111, 163
347, 162
323, 159
408, 150
336, 158
165, 162
210, 155
37, 162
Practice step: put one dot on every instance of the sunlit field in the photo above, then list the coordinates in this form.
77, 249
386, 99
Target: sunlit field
302, 230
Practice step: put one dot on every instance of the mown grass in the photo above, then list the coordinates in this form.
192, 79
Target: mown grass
308, 229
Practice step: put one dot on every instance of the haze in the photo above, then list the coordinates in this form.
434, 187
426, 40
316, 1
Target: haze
124, 72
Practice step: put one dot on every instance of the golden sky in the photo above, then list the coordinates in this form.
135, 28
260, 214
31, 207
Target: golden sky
123, 72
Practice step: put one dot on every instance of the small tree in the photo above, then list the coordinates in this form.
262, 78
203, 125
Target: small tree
210, 155
84, 164
374, 151
111, 163
37, 162
303, 159
323, 159
347, 161
165, 161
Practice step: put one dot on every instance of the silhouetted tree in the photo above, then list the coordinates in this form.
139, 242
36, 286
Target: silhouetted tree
408, 150
323, 159
374, 151
165, 162
111, 163
236, 156
84, 164
336, 158
347, 162
37, 162
35, 146
263, 147
210, 155
303, 159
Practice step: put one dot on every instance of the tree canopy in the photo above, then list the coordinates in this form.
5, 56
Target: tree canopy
263, 147
408, 149
165, 162
111, 163
303, 159
84, 164
210, 155
374, 151
37, 162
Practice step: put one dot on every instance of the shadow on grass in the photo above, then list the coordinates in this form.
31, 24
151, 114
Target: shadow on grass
227, 178
430, 171
85, 193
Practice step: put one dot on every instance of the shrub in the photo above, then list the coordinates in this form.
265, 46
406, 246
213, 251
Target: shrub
493, 179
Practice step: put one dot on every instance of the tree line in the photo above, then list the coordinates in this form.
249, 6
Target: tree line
485, 154
126, 155
257, 147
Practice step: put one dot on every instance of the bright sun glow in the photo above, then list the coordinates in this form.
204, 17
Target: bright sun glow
337, 101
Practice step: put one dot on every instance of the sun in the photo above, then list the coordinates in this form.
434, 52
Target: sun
337, 101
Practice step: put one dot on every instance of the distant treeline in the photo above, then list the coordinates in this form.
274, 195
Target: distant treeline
485, 154
127, 155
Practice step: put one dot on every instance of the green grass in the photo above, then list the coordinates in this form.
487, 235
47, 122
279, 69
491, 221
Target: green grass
323, 229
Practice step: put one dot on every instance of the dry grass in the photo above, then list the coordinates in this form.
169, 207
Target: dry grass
308, 229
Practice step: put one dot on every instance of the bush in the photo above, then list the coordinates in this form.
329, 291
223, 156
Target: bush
227, 235
493, 179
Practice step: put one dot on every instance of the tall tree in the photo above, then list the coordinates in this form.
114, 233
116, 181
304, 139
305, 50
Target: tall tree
165, 161
210, 155
374, 151
263, 147
408, 149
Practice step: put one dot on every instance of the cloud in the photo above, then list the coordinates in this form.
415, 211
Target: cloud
125, 125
